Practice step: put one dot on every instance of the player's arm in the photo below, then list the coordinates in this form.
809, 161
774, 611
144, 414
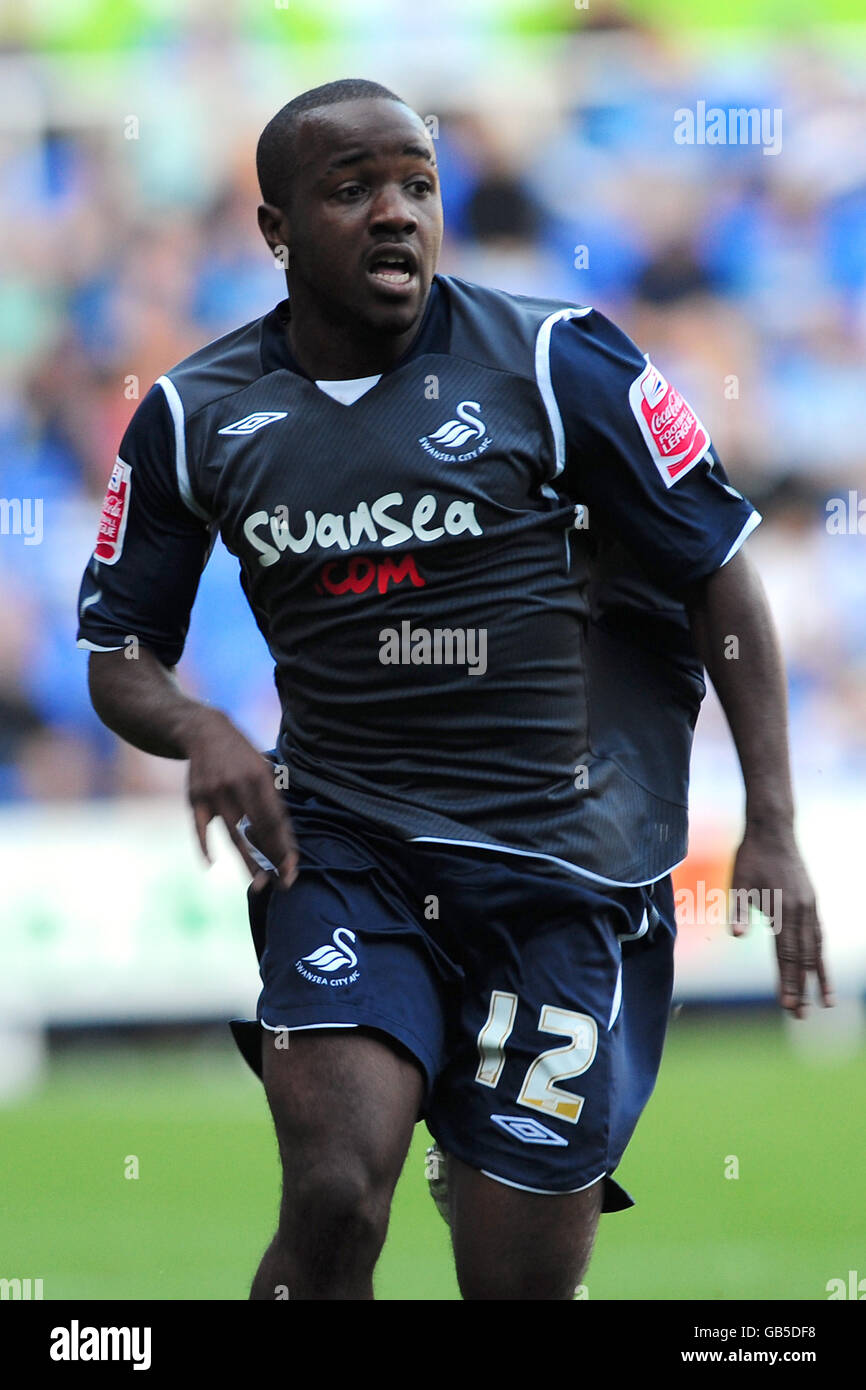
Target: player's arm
134, 606
142, 702
752, 691
634, 452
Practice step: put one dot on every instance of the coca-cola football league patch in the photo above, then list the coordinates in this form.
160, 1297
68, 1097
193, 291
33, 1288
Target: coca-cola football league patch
115, 510
673, 433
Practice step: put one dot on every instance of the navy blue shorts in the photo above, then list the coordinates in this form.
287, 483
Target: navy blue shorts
534, 1002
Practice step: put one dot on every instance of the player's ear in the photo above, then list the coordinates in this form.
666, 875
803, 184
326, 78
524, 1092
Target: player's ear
274, 227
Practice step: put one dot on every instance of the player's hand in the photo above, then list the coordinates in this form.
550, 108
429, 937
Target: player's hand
770, 862
230, 779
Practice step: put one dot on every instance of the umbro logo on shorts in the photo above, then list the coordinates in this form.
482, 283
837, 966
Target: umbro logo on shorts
250, 423
528, 1131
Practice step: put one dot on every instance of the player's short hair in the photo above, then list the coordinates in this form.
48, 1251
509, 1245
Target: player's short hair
276, 159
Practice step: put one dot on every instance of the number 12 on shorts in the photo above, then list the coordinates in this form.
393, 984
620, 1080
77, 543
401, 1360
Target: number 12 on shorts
539, 1090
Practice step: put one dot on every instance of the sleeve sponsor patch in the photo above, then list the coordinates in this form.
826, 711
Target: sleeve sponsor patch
672, 431
115, 510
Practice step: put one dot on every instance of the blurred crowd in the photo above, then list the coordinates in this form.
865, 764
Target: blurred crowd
130, 240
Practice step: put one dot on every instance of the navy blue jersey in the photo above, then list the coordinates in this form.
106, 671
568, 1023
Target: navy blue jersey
469, 570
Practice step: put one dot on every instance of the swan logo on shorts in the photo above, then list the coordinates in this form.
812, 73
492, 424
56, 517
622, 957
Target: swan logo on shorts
528, 1131
326, 960
672, 431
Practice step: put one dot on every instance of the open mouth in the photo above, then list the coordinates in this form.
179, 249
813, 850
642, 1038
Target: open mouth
395, 268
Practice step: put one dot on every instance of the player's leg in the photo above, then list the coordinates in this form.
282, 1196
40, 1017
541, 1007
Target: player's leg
562, 1022
510, 1244
344, 1106
348, 1038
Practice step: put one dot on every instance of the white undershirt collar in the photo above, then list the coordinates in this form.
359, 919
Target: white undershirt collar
349, 390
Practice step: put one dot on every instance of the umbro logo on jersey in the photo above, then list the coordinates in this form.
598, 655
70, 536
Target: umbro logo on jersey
455, 434
250, 423
321, 965
528, 1131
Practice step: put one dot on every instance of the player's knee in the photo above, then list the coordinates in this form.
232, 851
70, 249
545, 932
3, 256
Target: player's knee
534, 1271
523, 1284
335, 1211
523, 1247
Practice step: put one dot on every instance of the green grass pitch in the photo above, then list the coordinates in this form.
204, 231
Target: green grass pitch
194, 1222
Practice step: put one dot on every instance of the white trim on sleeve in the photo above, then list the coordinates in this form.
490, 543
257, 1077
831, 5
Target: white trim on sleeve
175, 405
545, 383
754, 520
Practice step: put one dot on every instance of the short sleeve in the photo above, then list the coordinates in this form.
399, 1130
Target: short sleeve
150, 550
638, 457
